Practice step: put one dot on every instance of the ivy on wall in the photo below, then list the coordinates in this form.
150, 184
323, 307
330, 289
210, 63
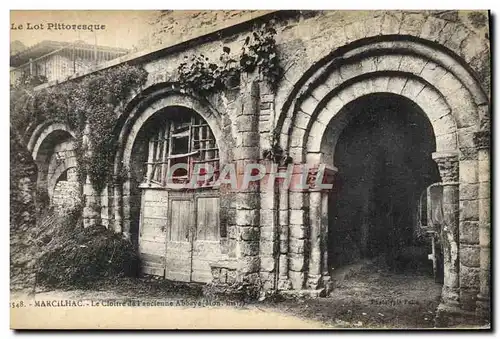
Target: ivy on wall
259, 52
90, 106
204, 77
94, 101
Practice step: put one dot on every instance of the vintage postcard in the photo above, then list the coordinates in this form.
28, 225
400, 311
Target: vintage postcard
318, 169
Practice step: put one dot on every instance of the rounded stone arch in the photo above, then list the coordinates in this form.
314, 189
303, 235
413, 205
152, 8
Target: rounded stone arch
437, 69
363, 28
63, 166
445, 90
175, 100
142, 108
150, 101
47, 140
41, 133
400, 84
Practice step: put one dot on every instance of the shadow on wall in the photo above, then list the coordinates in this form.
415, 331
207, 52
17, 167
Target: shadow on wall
384, 162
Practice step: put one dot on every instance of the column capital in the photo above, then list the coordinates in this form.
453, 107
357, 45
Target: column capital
449, 156
447, 164
482, 139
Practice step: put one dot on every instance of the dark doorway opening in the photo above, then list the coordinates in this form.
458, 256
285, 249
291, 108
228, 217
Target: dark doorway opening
384, 161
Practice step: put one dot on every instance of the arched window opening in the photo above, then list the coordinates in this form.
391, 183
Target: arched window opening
175, 208
181, 144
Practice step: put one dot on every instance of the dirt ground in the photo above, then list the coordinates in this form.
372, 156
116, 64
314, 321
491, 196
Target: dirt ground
367, 296
364, 296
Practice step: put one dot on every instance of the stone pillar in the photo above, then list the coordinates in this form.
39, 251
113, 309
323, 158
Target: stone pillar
91, 209
105, 210
324, 241
283, 224
298, 233
266, 114
270, 232
268, 242
315, 227
482, 141
117, 207
318, 273
448, 169
92, 200
274, 230
125, 205
468, 229
247, 215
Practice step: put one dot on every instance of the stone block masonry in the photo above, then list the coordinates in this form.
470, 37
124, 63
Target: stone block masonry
332, 61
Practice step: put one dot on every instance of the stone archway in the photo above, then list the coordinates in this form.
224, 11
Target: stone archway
457, 108
52, 147
383, 157
151, 104
178, 232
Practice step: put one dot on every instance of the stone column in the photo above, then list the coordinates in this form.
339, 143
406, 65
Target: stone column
318, 273
247, 216
268, 242
315, 226
298, 203
468, 229
448, 169
91, 210
92, 200
283, 224
325, 197
270, 232
117, 207
482, 141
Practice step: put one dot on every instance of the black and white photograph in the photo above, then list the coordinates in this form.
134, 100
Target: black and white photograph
250, 169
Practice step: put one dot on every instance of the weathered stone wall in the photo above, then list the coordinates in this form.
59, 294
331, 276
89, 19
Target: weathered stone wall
172, 27
438, 59
66, 195
62, 158
305, 40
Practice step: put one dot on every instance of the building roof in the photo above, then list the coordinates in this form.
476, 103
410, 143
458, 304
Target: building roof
47, 46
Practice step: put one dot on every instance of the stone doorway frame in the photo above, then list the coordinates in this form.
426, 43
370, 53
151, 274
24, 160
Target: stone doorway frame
152, 101
47, 180
352, 111
448, 92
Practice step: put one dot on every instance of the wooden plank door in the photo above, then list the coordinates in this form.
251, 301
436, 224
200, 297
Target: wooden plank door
154, 219
178, 251
206, 243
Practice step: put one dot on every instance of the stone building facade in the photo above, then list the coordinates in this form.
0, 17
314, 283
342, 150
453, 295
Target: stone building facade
430, 65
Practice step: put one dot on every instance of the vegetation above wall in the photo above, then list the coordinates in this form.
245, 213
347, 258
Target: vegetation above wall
259, 52
89, 106
94, 101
